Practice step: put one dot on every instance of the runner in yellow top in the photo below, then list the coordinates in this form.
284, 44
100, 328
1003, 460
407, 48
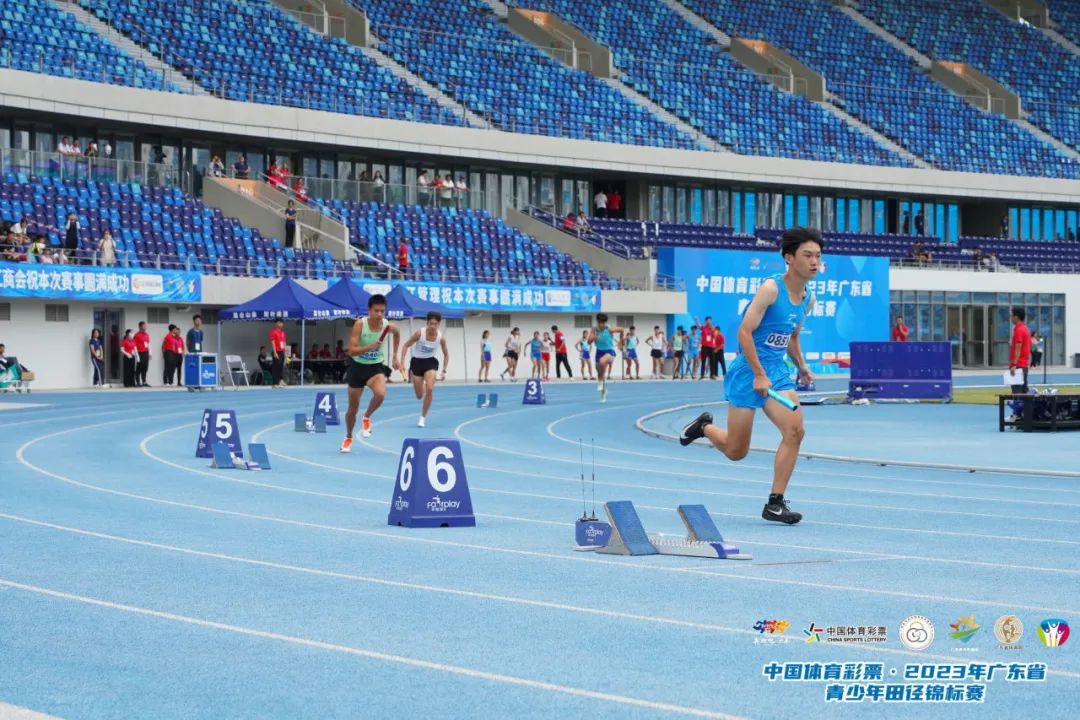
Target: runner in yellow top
368, 366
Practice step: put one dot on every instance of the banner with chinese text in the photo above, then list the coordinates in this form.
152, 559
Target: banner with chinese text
852, 297
86, 282
499, 298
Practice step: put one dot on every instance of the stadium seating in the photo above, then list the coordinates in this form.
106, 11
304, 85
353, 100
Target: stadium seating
1029, 256
1044, 74
1066, 14
462, 49
156, 227
36, 36
463, 245
253, 51
680, 68
884, 88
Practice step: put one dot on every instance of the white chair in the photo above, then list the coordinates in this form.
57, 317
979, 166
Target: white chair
234, 364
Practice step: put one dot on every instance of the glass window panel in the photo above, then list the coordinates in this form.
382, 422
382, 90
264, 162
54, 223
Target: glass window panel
668, 207
723, 208
789, 211
923, 326
710, 208
750, 200
939, 323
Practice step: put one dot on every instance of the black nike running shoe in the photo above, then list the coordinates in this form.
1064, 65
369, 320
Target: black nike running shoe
778, 511
696, 429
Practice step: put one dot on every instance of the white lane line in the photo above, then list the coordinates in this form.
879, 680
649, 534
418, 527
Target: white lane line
683, 474
804, 470
228, 476
1026, 472
574, 501
567, 557
14, 712
511, 599
375, 655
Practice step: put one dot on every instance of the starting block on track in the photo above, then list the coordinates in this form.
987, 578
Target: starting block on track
225, 459
703, 539
487, 400
315, 424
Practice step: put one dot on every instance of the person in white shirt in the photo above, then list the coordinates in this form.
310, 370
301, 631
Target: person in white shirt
447, 190
600, 203
422, 182
424, 366
657, 345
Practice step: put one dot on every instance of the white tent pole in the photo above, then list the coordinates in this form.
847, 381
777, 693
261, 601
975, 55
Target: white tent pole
218, 354
464, 349
303, 348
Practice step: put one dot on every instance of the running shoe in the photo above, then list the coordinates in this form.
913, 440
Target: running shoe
778, 511
696, 429
603, 395
346, 445
422, 422
365, 428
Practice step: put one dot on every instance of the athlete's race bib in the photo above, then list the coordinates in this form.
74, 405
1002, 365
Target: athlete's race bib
778, 340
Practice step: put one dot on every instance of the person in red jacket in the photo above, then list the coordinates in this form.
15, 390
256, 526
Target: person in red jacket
709, 333
561, 353
172, 350
142, 347
277, 352
131, 358
403, 258
900, 330
1020, 348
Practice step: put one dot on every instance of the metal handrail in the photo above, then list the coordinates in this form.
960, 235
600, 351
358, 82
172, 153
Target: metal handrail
40, 163
592, 237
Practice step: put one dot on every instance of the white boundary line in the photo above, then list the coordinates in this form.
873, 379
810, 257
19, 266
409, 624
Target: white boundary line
640, 425
375, 655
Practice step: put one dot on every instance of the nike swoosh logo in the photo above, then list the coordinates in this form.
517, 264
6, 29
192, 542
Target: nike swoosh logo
777, 512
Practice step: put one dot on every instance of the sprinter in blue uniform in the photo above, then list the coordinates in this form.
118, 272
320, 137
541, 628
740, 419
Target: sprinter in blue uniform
602, 338
769, 331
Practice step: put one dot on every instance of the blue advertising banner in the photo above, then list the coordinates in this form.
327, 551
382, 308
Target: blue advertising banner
852, 298
87, 282
499, 298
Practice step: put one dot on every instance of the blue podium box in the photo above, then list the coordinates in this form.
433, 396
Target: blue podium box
200, 370
431, 489
534, 392
326, 406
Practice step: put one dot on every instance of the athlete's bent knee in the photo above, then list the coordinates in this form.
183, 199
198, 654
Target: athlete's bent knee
794, 435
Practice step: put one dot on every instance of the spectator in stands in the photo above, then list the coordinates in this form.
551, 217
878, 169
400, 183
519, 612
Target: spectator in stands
978, 257
68, 148
92, 150
6, 365
403, 258
1070, 235
582, 225
60, 257
447, 190
217, 168
600, 204
37, 248
992, 262
920, 254
97, 358
325, 353
314, 354
424, 187
569, 222
131, 358
20, 230
71, 235
241, 169
142, 347
11, 251
277, 351
195, 335
300, 190
1004, 224
905, 224
900, 330
379, 186
339, 351
107, 249
614, 203
1020, 348
920, 224
290, 224
462, 192
1037, 342
107, 150
273, 175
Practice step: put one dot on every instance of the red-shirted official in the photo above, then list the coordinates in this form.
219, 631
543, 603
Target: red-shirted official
277, 353
172, 351
1020, 348
900, 331
142, 347
560, 353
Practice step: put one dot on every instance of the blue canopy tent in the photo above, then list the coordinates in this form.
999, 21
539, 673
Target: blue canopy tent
288, 300
348, 295
400, 303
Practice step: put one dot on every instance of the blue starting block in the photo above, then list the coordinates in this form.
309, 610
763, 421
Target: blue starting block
315, 424
226, 459
805, 387
703, 539
534, 392
487, 400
